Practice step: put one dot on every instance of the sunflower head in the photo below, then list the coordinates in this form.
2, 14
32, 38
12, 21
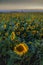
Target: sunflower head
12, 35
41, 35
4, 26
21, 49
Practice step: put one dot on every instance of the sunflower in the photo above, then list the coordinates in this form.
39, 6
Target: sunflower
4, 26
12, 35
22, 29
41, 35
18, 33
34, 32
6, 34
21, 49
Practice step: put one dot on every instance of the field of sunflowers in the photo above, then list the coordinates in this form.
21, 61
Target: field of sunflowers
21, 38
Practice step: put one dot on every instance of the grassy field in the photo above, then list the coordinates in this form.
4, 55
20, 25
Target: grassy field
21, 38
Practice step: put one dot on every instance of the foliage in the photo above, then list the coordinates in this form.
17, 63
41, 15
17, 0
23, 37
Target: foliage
19, 28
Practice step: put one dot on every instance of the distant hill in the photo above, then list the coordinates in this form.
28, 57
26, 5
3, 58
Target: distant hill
23, 10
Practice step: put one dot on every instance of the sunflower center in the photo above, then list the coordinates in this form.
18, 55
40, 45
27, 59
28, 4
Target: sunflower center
20, 48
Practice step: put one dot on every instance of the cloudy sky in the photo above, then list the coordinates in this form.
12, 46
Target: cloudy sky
21, 4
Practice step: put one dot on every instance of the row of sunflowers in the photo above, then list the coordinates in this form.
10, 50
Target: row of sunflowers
21, 38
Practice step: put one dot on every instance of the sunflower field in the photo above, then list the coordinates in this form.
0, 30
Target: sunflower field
21, 38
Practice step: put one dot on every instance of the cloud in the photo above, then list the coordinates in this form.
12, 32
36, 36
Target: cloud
21, 4
21, 1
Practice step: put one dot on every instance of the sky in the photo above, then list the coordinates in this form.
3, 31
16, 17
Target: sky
20, 4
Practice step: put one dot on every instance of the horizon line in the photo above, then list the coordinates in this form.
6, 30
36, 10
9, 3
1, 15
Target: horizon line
22, 10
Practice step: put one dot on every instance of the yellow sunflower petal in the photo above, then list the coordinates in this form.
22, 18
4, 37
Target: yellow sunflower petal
21, 49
